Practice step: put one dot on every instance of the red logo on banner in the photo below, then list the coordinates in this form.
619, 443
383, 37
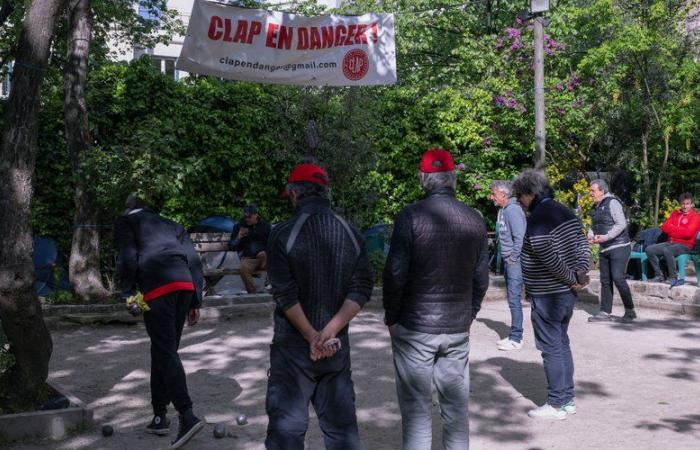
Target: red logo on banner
355, 64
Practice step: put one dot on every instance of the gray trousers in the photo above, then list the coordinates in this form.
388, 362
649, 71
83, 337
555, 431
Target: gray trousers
421, 359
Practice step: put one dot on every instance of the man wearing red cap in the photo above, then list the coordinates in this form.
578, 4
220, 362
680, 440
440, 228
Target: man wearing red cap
321, 278
435, 278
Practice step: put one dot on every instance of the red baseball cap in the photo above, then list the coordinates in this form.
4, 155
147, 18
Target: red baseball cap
309, 173
437, 160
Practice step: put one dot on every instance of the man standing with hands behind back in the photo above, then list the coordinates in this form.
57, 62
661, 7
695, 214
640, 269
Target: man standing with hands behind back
249, 239
321, 278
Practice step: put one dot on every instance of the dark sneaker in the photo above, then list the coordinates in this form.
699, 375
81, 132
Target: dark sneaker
160, 425
601, 316
629, 316
675, 283
657, 279
186, 429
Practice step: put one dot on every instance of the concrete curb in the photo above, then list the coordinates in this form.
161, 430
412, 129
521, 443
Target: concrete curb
53, 424
680, 300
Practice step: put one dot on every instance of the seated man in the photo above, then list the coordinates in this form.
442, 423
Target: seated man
249, 239
682, 231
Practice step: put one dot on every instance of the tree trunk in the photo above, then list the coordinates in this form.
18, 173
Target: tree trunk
20, 310
645, 170
660, 178
84, 266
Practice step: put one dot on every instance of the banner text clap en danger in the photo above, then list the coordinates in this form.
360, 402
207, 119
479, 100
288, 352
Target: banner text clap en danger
275, 47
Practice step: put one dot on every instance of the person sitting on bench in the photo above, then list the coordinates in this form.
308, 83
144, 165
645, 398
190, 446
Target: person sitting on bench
249, 239
682, 231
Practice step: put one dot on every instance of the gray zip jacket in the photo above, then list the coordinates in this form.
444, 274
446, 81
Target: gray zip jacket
511, 230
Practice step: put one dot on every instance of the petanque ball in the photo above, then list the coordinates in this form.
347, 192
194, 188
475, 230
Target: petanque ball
107, 430
219, 431
242, 419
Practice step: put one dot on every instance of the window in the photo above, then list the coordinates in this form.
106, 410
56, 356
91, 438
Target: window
170, 68
165, 65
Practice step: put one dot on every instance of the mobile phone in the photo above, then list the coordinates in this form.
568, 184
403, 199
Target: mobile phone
333, 343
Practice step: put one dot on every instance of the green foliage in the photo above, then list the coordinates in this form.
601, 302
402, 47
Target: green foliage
377, 260
206, 146
59, 298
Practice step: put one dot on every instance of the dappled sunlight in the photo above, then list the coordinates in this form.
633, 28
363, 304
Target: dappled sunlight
372, 344
189, 335
386, 415
61, 374
113, 344
227, 364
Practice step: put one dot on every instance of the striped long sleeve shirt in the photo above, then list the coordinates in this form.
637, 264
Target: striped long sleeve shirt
554, 249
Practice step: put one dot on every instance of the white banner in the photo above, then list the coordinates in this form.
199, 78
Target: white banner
276, 47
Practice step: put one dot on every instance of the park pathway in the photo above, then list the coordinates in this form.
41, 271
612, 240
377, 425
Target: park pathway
638, 386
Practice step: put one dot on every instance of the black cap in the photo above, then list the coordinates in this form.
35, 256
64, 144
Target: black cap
250, 208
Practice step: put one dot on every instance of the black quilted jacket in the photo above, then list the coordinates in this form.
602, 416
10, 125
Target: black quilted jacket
321, 270
436, 274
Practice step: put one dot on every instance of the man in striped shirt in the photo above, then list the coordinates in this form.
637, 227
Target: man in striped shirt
554, 262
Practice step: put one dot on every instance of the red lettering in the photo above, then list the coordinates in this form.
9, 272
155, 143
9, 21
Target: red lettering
285, 37
361, 37
271, 35
214, 25
351, 32
315, 39
339, 35
255, 29
327, 33
241, 31
303, 43
375, 32
228, 28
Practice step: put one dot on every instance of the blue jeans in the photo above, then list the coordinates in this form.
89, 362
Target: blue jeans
514, 286
550, 321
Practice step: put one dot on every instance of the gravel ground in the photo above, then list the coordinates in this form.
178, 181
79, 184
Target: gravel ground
637, 385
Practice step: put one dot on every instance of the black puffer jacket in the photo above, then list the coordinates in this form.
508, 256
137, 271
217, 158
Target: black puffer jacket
436, 274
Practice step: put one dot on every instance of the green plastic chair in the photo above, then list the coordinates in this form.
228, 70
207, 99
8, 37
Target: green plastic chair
682, 260
642, 257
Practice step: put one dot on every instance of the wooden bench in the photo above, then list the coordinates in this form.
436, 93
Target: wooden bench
206, 243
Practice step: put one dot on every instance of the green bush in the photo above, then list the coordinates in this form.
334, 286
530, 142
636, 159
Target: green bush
59, 298
377, 261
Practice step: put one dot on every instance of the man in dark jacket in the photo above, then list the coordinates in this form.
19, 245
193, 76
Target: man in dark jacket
321, 278
555, 261
156, 258
435, 278
249, 239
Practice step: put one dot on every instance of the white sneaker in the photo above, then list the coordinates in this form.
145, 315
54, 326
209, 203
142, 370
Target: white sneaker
503, 341
569, 407
547, 411
510, 345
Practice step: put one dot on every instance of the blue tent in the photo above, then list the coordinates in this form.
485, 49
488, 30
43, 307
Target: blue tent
214, 224
50, 275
